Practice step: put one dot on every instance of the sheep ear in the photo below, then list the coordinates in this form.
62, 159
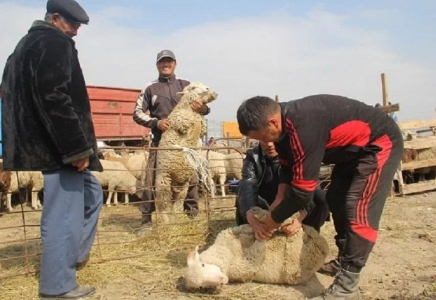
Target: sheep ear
179, 94
193, 257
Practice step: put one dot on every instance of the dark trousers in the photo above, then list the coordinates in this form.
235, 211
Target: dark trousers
315, 219
357, 195
147, 206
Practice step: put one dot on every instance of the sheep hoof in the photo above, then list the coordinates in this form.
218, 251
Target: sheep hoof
108, 205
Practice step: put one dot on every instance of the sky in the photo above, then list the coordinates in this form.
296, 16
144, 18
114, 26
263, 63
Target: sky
245, 48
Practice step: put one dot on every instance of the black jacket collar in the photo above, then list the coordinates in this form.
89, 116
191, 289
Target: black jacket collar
43, 25
170, 79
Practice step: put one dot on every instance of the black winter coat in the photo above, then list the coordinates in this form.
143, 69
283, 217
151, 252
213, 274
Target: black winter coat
259, 178
46, 114
259, 184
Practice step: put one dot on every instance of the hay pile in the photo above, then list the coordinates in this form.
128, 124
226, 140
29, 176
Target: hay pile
150, 265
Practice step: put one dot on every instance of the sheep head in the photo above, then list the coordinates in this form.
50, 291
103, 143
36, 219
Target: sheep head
202, 275
409, 155
198, 91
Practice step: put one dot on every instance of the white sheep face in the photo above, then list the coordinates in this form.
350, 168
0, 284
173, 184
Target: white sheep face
200, 91
202, 275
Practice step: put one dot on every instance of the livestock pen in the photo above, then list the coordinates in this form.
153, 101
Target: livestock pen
123, 266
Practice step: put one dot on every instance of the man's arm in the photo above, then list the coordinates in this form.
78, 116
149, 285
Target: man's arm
53, 103
140, 115
206, 110
307, 142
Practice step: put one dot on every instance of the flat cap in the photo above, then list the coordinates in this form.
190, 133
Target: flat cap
165, 53
69, 9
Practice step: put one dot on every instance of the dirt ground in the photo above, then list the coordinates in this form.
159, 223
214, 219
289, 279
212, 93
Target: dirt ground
402, 265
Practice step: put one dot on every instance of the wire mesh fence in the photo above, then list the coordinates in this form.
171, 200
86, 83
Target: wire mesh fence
20, 240
117, 239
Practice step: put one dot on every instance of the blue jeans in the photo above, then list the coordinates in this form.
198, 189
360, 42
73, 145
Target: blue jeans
72, 203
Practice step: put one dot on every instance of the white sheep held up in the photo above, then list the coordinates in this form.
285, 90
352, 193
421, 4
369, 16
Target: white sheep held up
236, 256
173, 172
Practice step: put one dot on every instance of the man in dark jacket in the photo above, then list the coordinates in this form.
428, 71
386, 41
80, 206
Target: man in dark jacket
365, 146
47, 126
155, 102
258, 187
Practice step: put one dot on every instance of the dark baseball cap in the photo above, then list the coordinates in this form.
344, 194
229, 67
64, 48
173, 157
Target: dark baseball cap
69, 9
165, 53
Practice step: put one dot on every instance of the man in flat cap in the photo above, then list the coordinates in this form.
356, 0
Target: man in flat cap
155, 102
47, 127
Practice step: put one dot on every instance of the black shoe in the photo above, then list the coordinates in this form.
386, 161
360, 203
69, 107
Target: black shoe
330, 268
192, 213
146, 219
146, 226
78, 292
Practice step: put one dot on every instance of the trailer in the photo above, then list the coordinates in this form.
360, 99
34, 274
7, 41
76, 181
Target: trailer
112, 114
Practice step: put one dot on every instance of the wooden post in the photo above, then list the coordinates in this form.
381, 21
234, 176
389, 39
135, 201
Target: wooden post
228, 142
385, 89
386, 103
277, 98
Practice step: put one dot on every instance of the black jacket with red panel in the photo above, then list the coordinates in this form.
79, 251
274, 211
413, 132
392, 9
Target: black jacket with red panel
325, 129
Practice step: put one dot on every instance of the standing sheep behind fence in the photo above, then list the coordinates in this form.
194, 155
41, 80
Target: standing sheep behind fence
234, 162
117, 179
410, 155
217, 168
237, 256
222, 167
14, 181
174, 172
135, 163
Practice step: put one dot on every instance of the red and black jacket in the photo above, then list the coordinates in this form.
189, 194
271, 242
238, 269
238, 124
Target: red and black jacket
323, 129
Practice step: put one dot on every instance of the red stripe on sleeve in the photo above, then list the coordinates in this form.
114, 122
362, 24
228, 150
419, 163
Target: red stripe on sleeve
297, 150
307, 185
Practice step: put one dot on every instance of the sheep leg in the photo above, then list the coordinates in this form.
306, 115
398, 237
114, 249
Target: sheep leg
35, 202
115, 198
9, 202
126, 198
212, 187
182, 126
109, 196
223, 184
164, 195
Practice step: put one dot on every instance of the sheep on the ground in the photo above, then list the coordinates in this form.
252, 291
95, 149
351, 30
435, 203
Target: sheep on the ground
236, 256
174, 172
15, 181
117, 178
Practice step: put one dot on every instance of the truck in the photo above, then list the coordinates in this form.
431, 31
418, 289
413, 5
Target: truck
112, 114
